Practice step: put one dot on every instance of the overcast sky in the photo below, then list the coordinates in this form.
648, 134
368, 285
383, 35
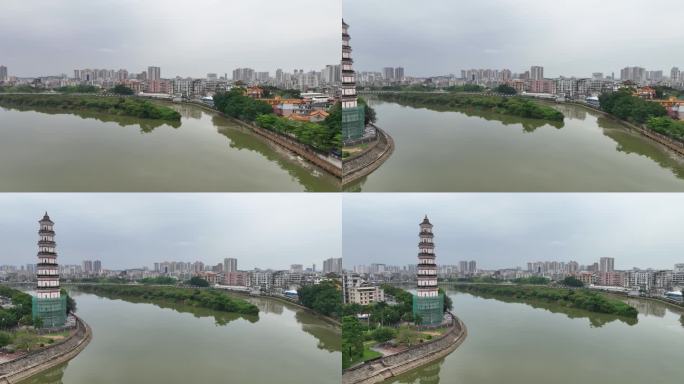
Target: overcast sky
508, 230
432, 37
134, 230
186, 38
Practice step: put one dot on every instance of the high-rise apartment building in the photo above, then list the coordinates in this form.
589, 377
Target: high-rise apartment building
332, 265
606, 264
229, 265
537, 73
3, 73
399, 74
153, 73
388, 73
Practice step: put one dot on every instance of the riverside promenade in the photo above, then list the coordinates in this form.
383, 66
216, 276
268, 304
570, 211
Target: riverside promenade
36, 362
384, 368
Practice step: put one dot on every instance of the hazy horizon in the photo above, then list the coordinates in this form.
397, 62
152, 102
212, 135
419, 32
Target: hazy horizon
509, 230
135, 230
435, 37
183, 38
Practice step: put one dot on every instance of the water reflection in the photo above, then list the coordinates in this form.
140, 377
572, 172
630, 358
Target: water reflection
220, 318
146, 125
327, 340
268, 306
647, 307
596, 320
630, 142
681, 320
303, 172
51, 376
425, 375
571, 112
528, 125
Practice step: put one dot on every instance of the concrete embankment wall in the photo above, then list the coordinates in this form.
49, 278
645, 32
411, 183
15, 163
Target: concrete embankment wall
364, 164
39, 361
287, 143
671, 144
379, 370
327, 319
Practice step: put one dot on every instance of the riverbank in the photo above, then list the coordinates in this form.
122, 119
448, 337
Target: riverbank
572, 298
512, 106
364, 163
200, 298
320, 316
325, 163
39, 361
387, 367
673, 145
120, 106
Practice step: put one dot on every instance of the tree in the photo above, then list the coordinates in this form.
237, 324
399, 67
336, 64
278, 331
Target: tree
324, 298
121, 89
197, 281
38, 322
505, 89
448, 304
572, 281
352, 340
5, 339
383, 334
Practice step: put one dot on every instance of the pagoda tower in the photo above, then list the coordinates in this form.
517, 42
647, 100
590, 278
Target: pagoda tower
48, 304
428, 303
353, 115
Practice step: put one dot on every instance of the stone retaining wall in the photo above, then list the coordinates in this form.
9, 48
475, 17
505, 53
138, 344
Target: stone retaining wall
291, 145
384, 368
364, 164
36, 362
671, 144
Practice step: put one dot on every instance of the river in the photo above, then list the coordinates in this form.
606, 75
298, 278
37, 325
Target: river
479, 151
167, 343
53, 151
518, 343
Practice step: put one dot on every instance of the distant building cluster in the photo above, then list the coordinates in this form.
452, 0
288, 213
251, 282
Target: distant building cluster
601, 274
151, 81
225, 273
531, 81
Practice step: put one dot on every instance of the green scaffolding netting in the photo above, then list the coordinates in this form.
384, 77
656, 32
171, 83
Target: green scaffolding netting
51, 311
430, 309
353, 123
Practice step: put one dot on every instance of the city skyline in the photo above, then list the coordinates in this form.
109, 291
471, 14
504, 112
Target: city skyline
516, 36
232, 35
137, 230
507, 231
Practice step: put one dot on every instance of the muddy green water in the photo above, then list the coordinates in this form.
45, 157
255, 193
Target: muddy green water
146, 343
479, 151
519, 343
46, 151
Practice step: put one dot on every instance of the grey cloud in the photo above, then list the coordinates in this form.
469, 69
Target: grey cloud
508, 230
134, 230
184, 38
432, 37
